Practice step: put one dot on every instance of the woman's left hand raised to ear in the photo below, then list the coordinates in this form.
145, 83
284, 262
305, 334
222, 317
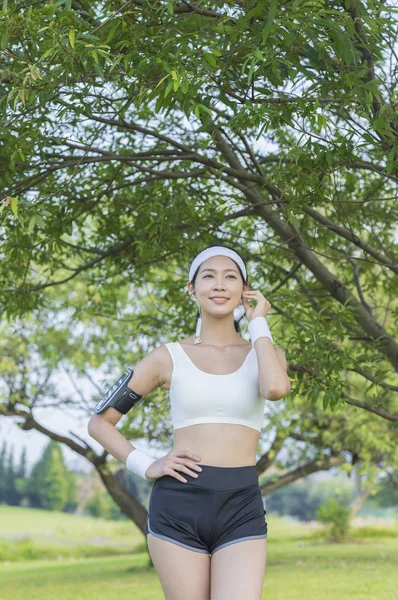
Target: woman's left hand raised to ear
262, 305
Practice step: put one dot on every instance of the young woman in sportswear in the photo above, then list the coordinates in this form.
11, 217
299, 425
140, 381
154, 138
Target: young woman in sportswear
206, 527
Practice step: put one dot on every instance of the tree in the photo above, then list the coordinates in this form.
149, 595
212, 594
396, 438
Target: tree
48, 484
54, 490
21, 479
136, 133
11, 494
2, 472
386, 492
302, 498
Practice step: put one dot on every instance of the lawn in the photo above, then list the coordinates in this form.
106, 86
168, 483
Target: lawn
300, 566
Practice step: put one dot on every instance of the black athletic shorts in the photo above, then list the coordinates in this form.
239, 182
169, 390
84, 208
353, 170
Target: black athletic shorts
222, 506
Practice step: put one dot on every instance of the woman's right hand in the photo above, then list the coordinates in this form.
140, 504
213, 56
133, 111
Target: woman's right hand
181, 460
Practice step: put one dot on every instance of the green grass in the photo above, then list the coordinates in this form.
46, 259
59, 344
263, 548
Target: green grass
300, 566
30, 534
44, 524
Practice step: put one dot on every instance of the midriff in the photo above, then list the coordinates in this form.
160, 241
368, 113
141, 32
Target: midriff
219, 444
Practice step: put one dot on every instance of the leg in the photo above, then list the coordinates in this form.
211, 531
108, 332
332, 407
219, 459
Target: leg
237, 570
184, 574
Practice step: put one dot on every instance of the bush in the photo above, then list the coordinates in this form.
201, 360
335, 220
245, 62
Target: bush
103, 505
338, 516
97, 506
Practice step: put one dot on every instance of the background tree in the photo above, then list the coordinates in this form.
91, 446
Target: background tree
48, 484
10, 494
134, 134
2, 472
302, 498
386, 492
22, 479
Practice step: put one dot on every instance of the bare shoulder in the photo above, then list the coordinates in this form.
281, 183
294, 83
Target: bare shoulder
151, 371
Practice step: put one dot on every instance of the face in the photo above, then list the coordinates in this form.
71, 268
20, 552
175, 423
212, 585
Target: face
218, 276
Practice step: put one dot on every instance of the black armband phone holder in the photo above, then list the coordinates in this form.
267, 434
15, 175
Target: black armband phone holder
119, 396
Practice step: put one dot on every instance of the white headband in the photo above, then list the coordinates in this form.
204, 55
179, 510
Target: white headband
216, 251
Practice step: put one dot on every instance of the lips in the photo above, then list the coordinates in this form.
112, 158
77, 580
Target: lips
219, 299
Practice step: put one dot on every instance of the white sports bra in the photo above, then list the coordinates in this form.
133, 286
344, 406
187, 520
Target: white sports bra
200, 397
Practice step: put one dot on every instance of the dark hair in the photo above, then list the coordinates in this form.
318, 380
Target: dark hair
245, 281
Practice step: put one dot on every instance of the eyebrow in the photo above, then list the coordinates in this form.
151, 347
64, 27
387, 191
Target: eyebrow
234, 270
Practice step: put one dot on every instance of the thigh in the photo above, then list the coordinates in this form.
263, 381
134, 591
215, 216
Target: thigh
237, 571
183, 574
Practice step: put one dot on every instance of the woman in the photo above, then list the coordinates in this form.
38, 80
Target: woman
206, 529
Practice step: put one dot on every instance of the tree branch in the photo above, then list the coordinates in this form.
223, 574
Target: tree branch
278, 482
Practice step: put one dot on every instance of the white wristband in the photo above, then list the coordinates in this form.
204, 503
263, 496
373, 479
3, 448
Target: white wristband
258, 327
139, 461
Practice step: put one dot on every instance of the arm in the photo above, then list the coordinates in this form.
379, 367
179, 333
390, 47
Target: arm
274, 383
148, 375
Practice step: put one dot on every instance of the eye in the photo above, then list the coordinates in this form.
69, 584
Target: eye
209, 275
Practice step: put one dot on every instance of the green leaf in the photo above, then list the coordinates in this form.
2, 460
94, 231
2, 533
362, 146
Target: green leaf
390, 159
252, 65
112, 32
40, 221
102, 53
206, 109
163, 78
184, 85
168, 89
47, 53
99, 69
14, 206
210, 59
115, 63
31, 225
344, 44
71, 36
271, 17
381, 123
5, 37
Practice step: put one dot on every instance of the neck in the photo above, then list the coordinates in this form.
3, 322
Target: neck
219, 331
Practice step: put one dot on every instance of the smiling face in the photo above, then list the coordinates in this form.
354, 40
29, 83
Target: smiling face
218, 276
